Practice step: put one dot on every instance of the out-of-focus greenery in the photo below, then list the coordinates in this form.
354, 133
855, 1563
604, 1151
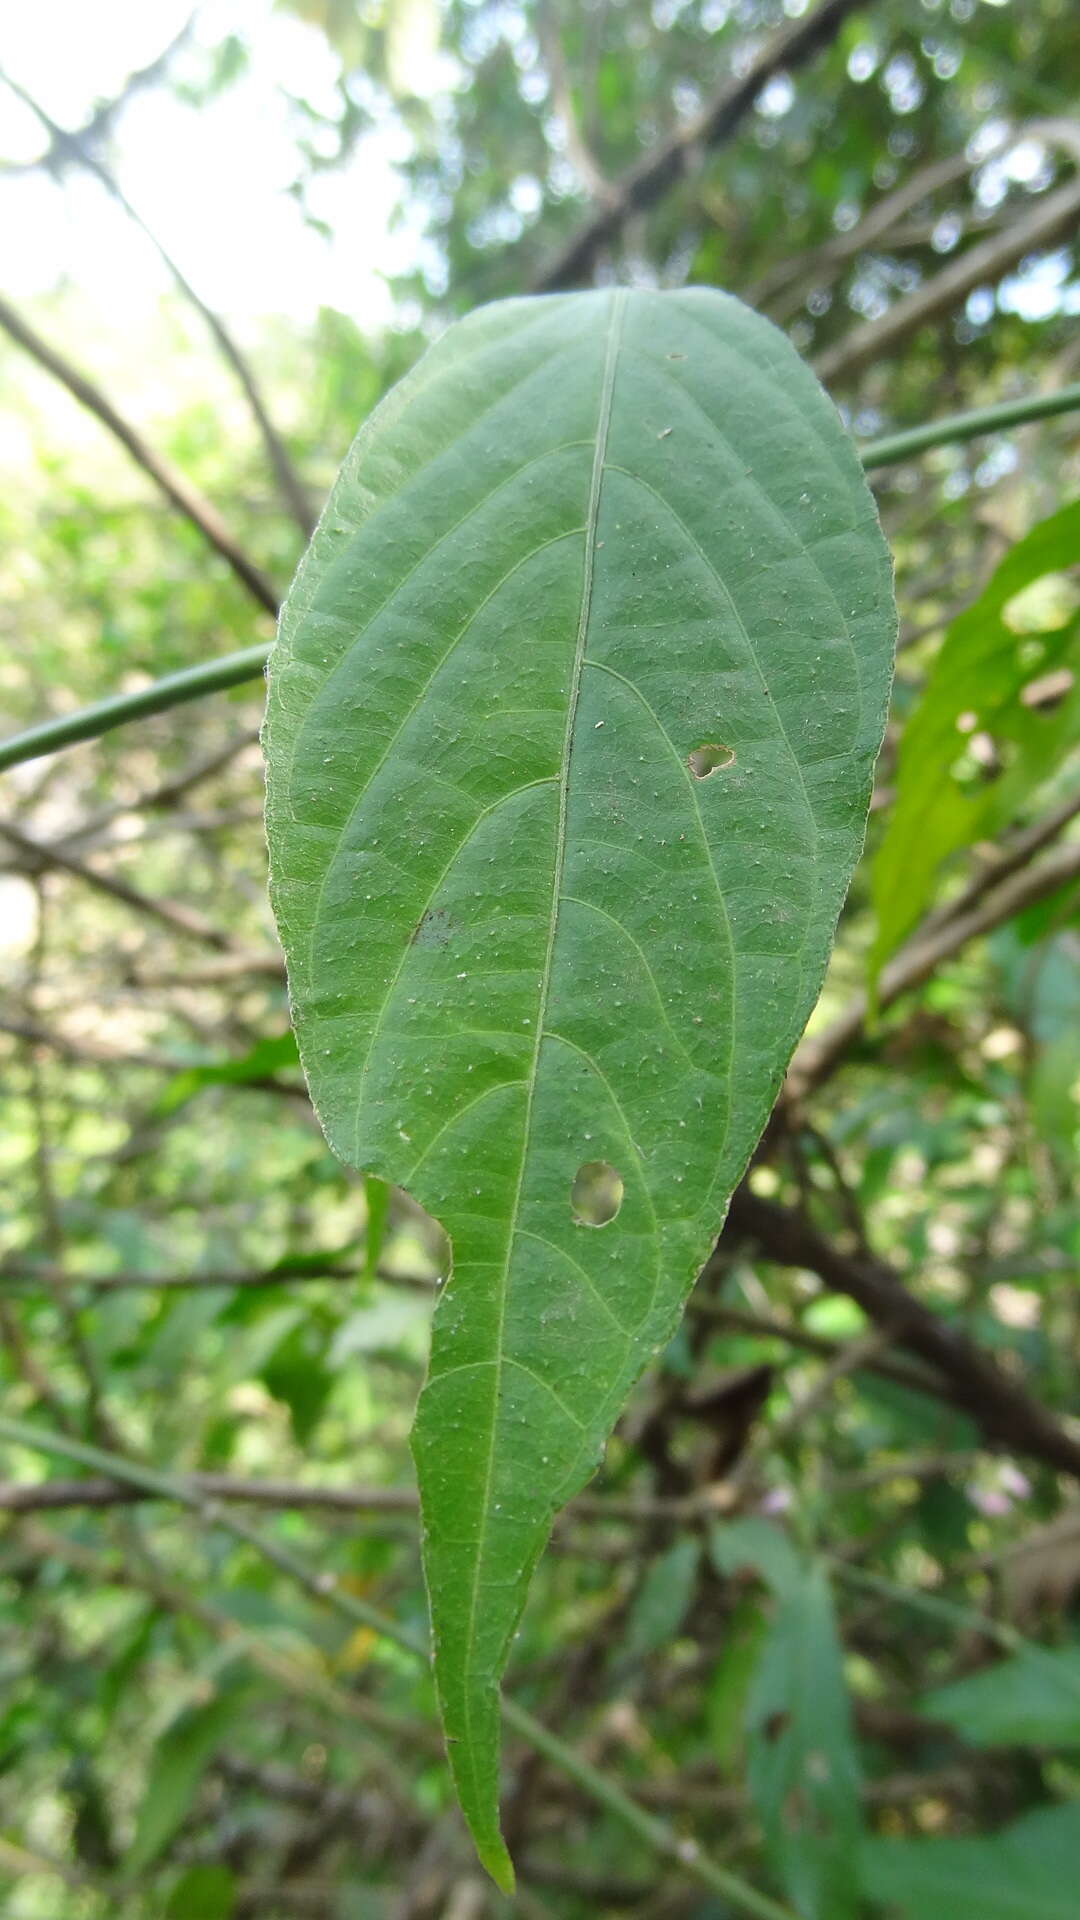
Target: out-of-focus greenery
184, 1731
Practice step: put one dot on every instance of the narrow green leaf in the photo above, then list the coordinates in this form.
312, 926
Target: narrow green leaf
663, 1599
180, 1759
202, 1893
759, 1544
802, 1769
265, 1058
547, 968
1026, 1872
729, 1683
1031, 1699
998, 656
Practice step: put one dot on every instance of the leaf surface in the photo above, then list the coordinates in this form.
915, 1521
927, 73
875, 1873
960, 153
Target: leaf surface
999, 710
802, 1764
1025, 1872
1031, 1699
572, 719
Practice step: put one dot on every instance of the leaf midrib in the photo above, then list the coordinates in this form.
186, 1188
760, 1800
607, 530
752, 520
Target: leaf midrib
615, 318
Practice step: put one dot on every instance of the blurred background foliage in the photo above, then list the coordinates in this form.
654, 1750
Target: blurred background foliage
819, 1611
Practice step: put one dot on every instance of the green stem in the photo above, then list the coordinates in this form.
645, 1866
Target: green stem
660, 1838
967, 426
953, 1612
686, 1853
231, 669
191, 683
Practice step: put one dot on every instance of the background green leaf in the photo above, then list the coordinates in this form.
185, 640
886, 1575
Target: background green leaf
1033, 1698
180, 1759
202, 1893
993, 654
802, 1767
1025, 1872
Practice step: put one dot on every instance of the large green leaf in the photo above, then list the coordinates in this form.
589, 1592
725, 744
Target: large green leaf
1026, 1872
572, 719
1031, 1699
995, 680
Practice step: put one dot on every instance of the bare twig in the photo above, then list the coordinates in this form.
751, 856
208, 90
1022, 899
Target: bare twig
179, 491
310, 1267
819, 1056
101, 121
1047, 220
881, 222
179, 919
163, 796
72, 146
1001, 1406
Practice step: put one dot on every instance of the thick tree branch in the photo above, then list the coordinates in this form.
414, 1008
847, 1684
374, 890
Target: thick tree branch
177, 490
677, 156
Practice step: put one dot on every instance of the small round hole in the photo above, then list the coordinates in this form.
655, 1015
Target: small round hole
709, 758
596, 1195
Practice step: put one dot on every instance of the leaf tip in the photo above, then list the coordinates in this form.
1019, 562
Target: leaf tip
497, 1863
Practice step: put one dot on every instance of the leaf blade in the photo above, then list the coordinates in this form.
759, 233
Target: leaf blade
533, 596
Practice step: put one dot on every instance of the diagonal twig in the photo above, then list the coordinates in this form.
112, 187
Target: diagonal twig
176, 488
66, 145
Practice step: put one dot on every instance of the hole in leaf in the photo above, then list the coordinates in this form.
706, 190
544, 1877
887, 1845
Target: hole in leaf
1043, 606
596, 1195
711, 757
1048, 690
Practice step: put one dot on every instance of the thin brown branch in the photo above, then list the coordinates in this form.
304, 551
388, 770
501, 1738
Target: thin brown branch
905, 1373
213, 973
94, 1052
179, 491
165, 795
71, 146
808, 267
775, 291
819, 1056
101, 1053
672, 159
47, 1495
1000, 862
41, 856
999, 1404
852, 1357
1051, 216
288, 1496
